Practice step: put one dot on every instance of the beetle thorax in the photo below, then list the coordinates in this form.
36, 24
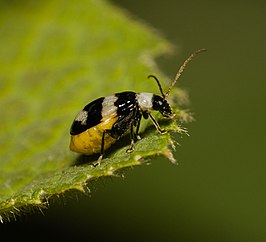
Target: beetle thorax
144, 100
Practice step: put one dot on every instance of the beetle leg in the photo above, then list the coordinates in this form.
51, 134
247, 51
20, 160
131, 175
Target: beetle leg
132, 145
137, 129
161, 131
98, 162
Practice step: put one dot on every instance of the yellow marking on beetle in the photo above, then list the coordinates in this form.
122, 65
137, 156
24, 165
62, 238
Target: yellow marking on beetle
90, 141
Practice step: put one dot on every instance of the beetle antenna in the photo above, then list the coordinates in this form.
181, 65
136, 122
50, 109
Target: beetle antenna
181, 69
159, 85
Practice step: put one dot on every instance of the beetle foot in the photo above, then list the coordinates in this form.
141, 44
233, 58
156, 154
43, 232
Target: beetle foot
98, 162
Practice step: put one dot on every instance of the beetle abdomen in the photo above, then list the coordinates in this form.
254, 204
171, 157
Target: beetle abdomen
90, 141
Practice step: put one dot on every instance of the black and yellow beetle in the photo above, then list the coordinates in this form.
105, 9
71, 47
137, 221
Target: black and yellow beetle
103, 121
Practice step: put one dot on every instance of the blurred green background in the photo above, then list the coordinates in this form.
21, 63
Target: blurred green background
218, 190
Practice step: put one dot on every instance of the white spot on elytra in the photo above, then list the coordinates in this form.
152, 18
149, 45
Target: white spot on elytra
108, 107
82, 117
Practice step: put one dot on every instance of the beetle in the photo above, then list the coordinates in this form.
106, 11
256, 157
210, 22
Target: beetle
102, 122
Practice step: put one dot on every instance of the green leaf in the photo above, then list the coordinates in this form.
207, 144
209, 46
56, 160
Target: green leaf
54, 59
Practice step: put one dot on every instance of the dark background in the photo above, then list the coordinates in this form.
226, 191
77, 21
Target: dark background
218, 190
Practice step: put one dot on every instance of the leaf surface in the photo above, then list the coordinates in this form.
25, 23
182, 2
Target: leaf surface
55, 58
